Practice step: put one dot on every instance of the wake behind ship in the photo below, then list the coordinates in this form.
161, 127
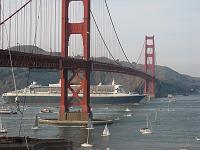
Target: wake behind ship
99, 94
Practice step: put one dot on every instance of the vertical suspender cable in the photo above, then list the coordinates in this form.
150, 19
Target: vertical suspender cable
50, 24
140, 53
24, 28
30, 36
59, 23
55, 28
40, 27
17, 29
2, 25
115, 31
26, 10
9, 42
0, 21
35, 33
103, 38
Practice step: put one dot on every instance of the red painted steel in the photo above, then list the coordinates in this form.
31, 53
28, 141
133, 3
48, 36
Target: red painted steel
40, 61
64, 107
149, 66
83, 74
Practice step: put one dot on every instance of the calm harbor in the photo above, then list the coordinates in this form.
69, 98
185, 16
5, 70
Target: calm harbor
176, 125
99, 75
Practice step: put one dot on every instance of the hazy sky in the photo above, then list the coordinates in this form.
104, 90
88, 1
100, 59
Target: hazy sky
175, 24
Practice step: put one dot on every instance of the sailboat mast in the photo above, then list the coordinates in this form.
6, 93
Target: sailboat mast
156, 116
147, 120
88, 135
0, 124
36, 120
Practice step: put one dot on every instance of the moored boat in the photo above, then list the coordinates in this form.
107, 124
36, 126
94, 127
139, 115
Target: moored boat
7, 110
2, 129
46, 110
146, 130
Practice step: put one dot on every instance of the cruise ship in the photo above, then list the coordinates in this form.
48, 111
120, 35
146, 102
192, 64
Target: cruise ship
99, 94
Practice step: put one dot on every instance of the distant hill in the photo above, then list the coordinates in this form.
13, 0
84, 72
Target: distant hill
169, 81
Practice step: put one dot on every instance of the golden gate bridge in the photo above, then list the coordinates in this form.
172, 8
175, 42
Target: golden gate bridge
68, 28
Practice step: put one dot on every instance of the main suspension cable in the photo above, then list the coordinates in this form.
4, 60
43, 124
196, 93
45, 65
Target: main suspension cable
15, 13
120, 44
103, 38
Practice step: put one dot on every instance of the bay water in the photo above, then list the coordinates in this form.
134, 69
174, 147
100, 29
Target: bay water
176, 125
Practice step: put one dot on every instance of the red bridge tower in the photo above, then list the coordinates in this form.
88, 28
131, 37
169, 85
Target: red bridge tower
83, 75
149, 66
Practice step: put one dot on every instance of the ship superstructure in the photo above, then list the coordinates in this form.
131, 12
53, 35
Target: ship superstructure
99, 94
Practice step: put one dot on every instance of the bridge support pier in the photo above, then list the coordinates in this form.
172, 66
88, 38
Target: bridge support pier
83, 75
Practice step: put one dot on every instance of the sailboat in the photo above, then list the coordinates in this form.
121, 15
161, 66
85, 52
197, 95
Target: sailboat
146, 130
186, 147
90, 124
36, 124
106, 131
87, 142
2, 129
172, 99
127, 109
156, 117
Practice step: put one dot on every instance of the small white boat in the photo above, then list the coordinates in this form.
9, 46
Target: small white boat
86, 145
128, 115
146, 130
142, 130
172, 98
2, 129
106, 131
127, 109
36, 124
197, 138
46, 110
87, 142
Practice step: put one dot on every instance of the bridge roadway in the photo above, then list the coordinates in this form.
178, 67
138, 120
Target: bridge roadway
40, 61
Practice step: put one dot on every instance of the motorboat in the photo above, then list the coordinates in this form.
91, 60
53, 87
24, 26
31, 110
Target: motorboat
7, 110
46, 110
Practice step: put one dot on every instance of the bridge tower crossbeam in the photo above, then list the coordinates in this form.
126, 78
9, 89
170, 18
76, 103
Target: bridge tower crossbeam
83, 75
149, 66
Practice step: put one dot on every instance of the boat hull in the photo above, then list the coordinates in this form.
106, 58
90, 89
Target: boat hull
93, 99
